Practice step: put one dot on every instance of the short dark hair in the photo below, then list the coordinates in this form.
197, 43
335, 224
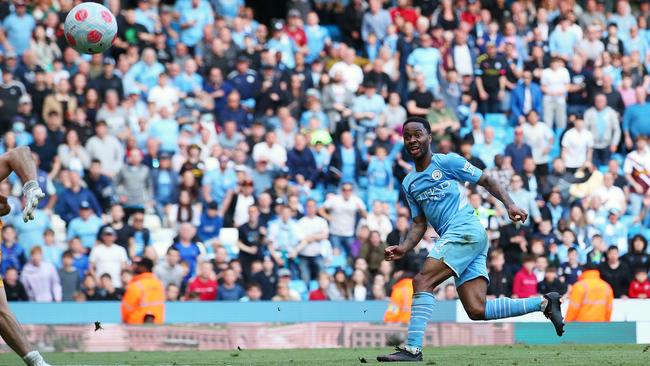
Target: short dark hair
146, 263
423, 121
528, 258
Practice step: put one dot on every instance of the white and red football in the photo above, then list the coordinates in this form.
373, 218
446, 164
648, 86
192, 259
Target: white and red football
90, 28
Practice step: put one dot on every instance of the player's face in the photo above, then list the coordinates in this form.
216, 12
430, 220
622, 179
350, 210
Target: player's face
417, 140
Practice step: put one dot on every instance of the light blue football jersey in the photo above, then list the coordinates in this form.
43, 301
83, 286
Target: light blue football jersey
438, 192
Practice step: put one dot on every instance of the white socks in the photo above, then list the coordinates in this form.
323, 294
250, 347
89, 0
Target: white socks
34, 358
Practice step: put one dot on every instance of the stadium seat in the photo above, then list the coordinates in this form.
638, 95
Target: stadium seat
228, 238
300, 287
313, 285
496, 120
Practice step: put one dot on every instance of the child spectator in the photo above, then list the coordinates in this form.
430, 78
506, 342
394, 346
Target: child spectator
320, 294
13, 288
204, 284
70, 277
229, 289
551, 283
640, 286
571, 269
500, 279
525, 282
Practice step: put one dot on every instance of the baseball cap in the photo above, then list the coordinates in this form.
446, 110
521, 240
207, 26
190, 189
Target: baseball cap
108, 231
84, 205
25, 99
614, 211
294, 13
284, 272
213, 205
165, 155
313, 93
109, 61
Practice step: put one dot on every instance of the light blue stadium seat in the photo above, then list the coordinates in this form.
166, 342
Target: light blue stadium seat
496, 120
313, 285
300, 287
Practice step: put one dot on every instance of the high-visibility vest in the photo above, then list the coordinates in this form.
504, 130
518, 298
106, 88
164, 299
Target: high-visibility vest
144, 296
399, 308
590, 299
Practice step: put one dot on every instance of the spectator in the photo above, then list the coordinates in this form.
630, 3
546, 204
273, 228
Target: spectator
229, 289
590, 299
211, 223
555, 81
539, 137
615, 272
253, 293
570, 270
69, 276
109, 292
320, 294
187, 247
107, 257
500, 279
615, 232
18, 27
79, 256
340, 211
359, 286
100, 185
204, 284
144, 298
551, 283
85, 226
314, 232
636, 167
490, 79
524, 284
90, 290
518, 151
218, 182
283, 240
13, 255
640, 286
14, 289
107, 149
51, 251
169, 271
633, 124
611, 196
488, 149
41, 279
351, 73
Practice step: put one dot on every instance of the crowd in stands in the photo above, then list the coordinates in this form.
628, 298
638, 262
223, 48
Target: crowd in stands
256, 161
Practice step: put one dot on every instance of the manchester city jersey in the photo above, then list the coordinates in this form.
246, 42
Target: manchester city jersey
438, 192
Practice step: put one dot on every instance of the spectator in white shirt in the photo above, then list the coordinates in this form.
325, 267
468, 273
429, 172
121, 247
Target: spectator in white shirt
577, 146
271, 151
539, 137
107, 257
313, 232
107, 149
351, 72
611, 196
602, 121
41, 279
341, 212
164, 94
555, 82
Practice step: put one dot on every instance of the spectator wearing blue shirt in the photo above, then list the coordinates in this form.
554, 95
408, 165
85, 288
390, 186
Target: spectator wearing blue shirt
85, 226
217, 182
146, 15
13, 255
314, 111
230, 290
301, 162
70, 201
193, 19
187, 247
346, 163
18, 27
139, 236
426, 60
317, 37
79, 256
368, 108
164, 129
145, 72
380, 176
228, 8
525, 97
487, 150
217, 88
52, 253
563, 39
30, 234
376, 20
233, 111
570, 270
283, 44
623, 19
211, 223
189, 82
245, 81
635, 43
165, 183
568, 242
614, 231
635, 118
518, 151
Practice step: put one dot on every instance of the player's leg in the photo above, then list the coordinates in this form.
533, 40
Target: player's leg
433, 273
14, 335
472, 291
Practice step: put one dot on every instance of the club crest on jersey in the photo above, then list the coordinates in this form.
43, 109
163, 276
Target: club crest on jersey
436, 175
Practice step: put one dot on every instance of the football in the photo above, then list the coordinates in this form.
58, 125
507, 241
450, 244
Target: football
90, 28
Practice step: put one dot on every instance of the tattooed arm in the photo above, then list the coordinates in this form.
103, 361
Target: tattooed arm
499, 192
413, 237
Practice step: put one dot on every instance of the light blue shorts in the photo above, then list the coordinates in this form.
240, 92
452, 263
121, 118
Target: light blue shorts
464, 250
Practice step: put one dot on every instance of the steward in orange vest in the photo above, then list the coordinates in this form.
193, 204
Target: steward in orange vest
144, 299
401, 297
590, 299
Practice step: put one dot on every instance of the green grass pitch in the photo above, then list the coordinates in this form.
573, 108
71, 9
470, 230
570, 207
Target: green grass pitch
517, 355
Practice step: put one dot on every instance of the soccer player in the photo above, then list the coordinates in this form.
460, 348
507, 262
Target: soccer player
19, 160
435, 194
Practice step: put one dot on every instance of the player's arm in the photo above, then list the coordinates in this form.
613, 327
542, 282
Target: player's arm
20, 160
491, 185
413, 237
